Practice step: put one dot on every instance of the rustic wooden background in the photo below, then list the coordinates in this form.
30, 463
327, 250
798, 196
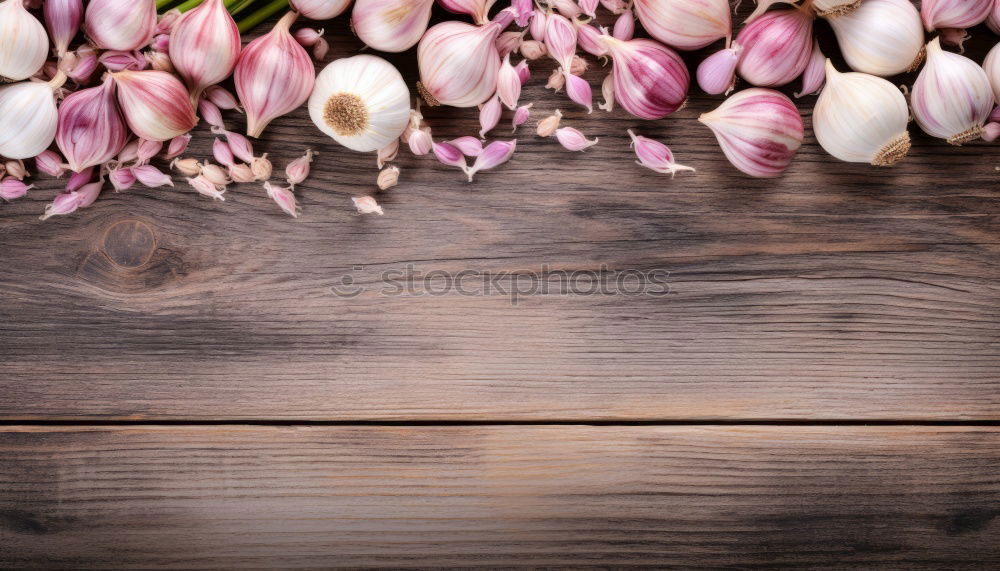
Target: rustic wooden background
179, 386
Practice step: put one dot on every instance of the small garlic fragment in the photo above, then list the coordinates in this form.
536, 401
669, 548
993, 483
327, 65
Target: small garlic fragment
388, 178
573, 140
241, 173
187, 167
655, 156
298, 170
367, 205
48, 162
284, 198
493, 155
489, 115
547, 127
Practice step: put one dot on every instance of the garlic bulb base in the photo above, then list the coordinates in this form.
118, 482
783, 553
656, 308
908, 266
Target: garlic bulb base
426, 96
893, 152
964, 137
346, 114
918, 61
839, 10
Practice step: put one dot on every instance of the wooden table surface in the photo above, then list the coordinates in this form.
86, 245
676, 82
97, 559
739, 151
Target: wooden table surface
181, 387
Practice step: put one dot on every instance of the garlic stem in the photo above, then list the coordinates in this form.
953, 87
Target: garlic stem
189, 5
237, 6
164, 4
262, 14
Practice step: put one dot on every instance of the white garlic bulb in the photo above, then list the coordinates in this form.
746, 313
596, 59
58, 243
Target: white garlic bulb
361, 101
28, 117
880, 37
860, 118
992, 66
952, 97
24, 44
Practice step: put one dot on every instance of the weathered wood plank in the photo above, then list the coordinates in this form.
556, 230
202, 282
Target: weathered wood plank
837, 291
187, 497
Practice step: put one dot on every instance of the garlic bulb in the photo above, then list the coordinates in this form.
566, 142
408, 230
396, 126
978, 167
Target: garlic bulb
123, 25
880, 37
776, 47
952, 17
320, 9
361, 101
952, 97
28, 117
993, 19
204, 46
992, 67
478, 9
759, 130
650, 80
154, 103
861, 118
685, 24
24, 44
91, 129
459, 62
391, 25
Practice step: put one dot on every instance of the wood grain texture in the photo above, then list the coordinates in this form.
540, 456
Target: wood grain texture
837, 291
571, 496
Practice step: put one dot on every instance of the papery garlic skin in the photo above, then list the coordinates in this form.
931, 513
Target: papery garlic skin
391, 25
123, 25
861, 118
991, 65
320, 9
28, 117
274, 76
880, 37
205, 46
24, 44
759, 130
361, 101
91, 128
155, 104
62, 18
650, 80
952, 97
685, 24
459, 62
776, 47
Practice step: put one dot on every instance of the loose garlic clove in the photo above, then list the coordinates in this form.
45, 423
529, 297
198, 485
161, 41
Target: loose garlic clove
814, 76
880, 37
952, 97
547, 127
650, 80
361, 101
320, 9
861, 118
493, 155
624, 28
655, 156
50, 163
776, 47
25, 44
204, 46
489, 115
123, 25
298, 170
367, 205
62, 18
520, 116
508, 84
388, 178
284, 198
91, 128
953, 17
759, 130
717, 73
685, 24
391, 25
155, 104
459, 62
573, 140
28, 117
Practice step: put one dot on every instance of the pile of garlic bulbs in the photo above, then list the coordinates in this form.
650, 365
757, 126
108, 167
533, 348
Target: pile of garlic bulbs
107, 90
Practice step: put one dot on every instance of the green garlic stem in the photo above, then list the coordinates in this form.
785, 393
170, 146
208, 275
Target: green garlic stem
272, 8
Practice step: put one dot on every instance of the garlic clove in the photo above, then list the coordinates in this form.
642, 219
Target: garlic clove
655, 156
814, 76
24, 46
388, 178
298, 170
284, 198
520, 116
204, 46
547, 127
367, 205
121, 178
573, 140
361, 101
493, 155
261, 167
155, 104
536, 27
508, 42
148, 150
589, 7
123, 25
508, 84
91, 130
861, 118
177, 145
579, 91
391, 25
717, 73
469, 146
587, 37
205, 188
62, 18
420, 142
879, 37
240, 173
560, 39
11, 188
223, 153
489, 115
388, 153
624, 28
187, 167
952, 97
448, 154
273, 76
320, 9
759, 130
776, 47
993, 19
50, 163
685, 24
532, 49
151, 177
650, 80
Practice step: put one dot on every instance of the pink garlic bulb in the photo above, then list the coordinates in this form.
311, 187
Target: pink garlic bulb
776, 47
155, 104
123, 25
391, 25
952, 97
650, 80
685, 24
952, 17
993, 19
992, 67
204, 46
459, 62
91, 128
274, 76
759, 130
62, 18
717, 73
320, 9
478, 9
